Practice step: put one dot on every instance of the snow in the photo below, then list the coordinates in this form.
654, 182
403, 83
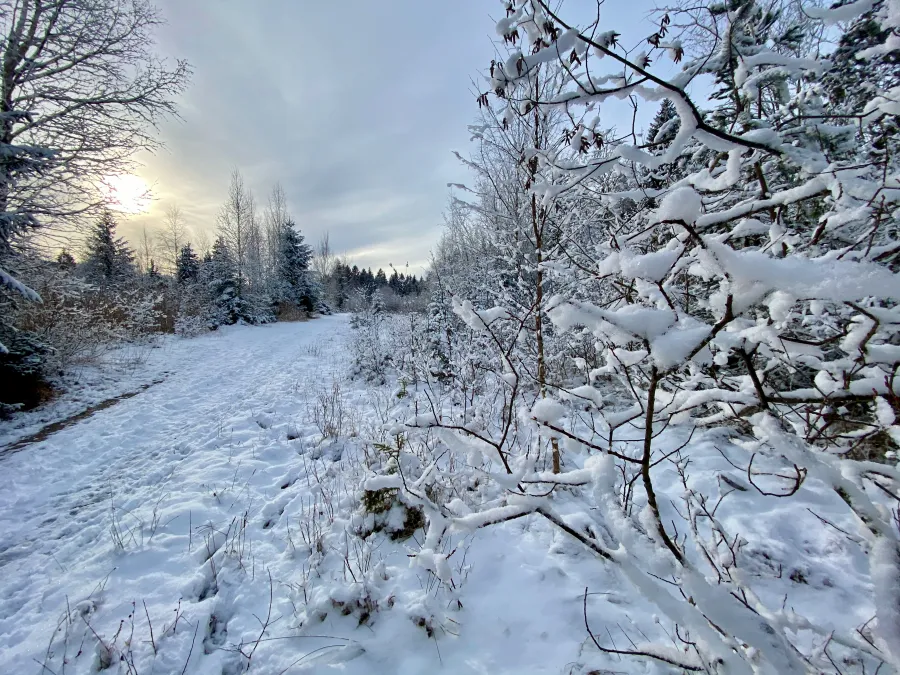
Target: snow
200, 468
548, 410
653, 266
13, 284
886, 578
121, 371
846, 12
681, 204
824, 279
187, 498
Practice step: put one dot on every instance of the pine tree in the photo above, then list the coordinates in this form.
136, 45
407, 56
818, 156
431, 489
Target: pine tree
223, 285
66, 261
187, 266
109, 260
294, 282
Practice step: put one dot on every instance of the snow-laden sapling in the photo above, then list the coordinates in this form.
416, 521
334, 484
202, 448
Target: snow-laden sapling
384, 508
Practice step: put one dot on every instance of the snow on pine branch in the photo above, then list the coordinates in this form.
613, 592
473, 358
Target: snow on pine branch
10, 282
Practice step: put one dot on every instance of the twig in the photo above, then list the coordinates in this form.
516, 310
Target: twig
191, 651
150, 623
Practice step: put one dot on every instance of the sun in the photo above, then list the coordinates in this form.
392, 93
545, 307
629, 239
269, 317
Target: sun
126, 193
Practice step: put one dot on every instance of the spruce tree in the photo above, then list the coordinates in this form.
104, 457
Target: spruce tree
187, 266
223, 285
66, 261
109, 260
294, 283
665, 121
857, 68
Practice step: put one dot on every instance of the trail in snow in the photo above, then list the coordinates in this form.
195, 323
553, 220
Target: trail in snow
59, 498
45, 432
175, 508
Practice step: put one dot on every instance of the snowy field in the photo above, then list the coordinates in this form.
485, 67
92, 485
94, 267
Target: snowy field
205, 526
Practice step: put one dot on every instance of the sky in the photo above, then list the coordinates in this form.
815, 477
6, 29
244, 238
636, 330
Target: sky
353, 106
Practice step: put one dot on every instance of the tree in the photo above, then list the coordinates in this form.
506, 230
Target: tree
274, 217
18, 164
324, 261
852, 75
108, 259
80, 91
147, 249
238, 227
174, 235
65, 260
756, 290
153, 273
223, 286
293, 282
187, 269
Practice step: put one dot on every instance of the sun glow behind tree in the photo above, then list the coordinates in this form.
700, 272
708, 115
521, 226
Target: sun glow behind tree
126, 193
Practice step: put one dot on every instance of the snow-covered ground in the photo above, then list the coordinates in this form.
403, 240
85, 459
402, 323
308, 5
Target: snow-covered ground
114, 519
120, 371
205, 526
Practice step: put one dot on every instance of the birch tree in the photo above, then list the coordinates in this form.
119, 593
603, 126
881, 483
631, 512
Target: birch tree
174, 236
236, 225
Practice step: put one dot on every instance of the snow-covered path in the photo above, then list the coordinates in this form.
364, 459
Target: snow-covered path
84, 503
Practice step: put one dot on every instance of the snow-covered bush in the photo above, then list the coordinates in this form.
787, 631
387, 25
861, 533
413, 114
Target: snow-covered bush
729, 281
371, 346
76, 323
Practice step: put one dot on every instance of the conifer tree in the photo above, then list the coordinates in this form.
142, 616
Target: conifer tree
109, 260
188, 265
850, 80
294, 283
65, 260
223, 285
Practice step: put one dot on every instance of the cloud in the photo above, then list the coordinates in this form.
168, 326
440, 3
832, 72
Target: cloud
354, 107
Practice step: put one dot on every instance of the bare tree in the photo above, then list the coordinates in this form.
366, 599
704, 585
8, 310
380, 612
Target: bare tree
275, 215
79, 78
237, 222
146, 249
255, 249
324, 260
80, 91
202, 242
175, 234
